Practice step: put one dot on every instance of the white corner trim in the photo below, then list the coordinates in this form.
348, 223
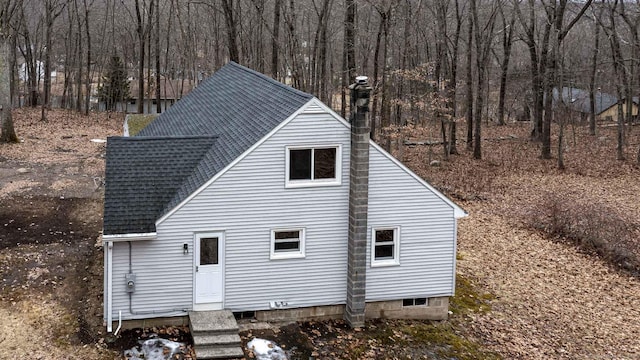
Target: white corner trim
458, 212
237, 160
129, 237
109, 295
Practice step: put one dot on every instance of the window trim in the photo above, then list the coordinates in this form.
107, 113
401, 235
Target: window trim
313, 182
395, 261
300, 254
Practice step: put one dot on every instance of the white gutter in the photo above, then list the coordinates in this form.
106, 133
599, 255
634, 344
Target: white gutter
109, 285
129, 237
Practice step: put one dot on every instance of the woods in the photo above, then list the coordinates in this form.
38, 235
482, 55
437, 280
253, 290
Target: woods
480, 62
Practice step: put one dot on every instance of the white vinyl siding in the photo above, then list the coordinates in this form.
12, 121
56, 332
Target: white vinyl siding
250, 200
427, 234
160, 266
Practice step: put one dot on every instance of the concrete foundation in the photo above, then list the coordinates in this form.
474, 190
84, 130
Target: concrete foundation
436, 308
147, 323
302, 314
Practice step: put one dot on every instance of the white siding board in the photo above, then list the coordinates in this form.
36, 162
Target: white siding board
250, 199
154, 276
427, 230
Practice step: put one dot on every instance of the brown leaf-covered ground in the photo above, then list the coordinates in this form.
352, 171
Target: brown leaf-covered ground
553, 299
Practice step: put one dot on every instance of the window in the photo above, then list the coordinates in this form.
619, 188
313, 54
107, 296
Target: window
287, 243
313, 166
414, 302
209, 251
385, 246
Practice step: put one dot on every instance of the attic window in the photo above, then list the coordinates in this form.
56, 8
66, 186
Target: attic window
313, 166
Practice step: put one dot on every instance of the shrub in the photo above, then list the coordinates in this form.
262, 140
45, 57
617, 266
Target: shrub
594, 227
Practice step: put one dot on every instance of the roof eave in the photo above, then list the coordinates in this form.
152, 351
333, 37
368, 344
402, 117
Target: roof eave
129, 237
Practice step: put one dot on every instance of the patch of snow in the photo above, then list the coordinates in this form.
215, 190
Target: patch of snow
266, 350
154, 349
99, 141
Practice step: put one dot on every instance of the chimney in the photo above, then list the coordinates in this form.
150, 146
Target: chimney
358, 202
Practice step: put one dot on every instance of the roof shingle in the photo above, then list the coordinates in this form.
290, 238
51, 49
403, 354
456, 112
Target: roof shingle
236, 106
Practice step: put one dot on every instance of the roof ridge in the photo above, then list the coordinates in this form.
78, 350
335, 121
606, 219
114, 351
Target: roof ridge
271, 80
167, 137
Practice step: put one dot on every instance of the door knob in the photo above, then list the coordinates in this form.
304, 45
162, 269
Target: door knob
196, 268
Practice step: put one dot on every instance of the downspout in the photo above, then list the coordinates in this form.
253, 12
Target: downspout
109, 286
119, 323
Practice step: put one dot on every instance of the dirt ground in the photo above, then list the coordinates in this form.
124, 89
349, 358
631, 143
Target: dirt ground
550, 298
50, 221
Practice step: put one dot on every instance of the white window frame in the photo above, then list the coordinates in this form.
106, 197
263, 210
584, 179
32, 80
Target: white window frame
313, 182
277, 255
395, 261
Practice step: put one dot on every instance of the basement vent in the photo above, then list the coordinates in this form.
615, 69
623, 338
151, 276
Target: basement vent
244, 315
414, 302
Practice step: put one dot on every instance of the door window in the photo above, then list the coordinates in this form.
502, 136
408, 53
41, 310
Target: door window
209, 251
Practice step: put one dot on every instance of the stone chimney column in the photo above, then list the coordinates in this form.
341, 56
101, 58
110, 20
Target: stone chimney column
358, 202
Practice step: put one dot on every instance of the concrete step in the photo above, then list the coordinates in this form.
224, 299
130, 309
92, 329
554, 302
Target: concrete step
215, 335
216, 340
212, 322
231, 352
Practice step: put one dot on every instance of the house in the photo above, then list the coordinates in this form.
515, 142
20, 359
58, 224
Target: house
171, 90
577, 100
251, 196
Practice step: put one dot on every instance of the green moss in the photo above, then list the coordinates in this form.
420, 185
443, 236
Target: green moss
467, 299
137, 122
446, 341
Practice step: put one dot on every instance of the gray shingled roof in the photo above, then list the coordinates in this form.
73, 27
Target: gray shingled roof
236, 105
578, 99
143, 174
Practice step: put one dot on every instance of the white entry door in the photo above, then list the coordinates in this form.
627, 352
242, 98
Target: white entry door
209, 260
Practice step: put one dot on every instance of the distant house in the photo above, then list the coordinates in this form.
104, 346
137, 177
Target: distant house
577, 100
170, 92
251, 196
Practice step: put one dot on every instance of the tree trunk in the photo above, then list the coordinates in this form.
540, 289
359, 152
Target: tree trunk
141, 49
276, 39
621, 78
560, 146
376, 67
87, 99
47, 60
8, 134
452, 84
592, 79
157, 39
507, 41
348, 56
232, 30
469, 84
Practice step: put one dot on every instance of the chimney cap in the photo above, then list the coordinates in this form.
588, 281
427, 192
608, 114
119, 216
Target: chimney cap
361, 80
